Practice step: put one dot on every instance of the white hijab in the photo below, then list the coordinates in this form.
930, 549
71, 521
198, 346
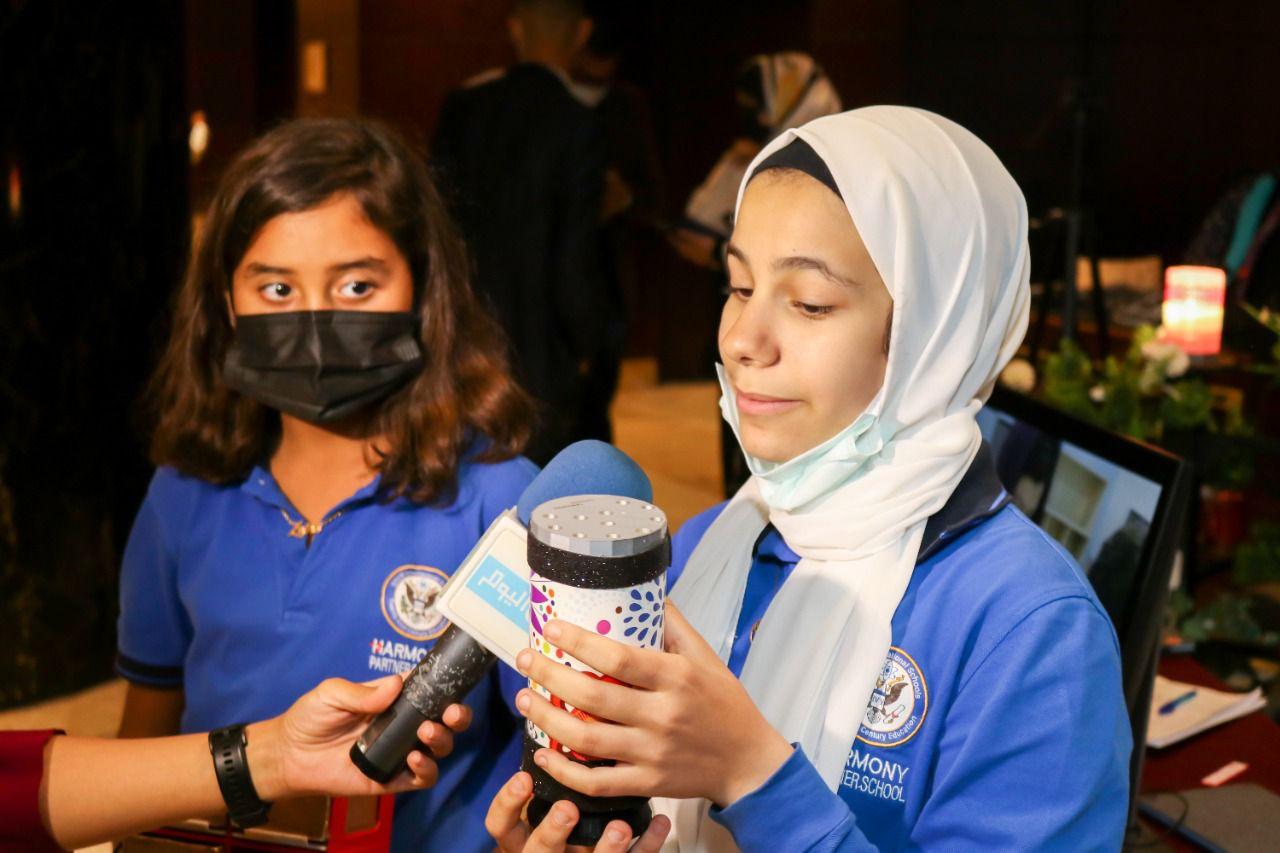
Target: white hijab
946, 226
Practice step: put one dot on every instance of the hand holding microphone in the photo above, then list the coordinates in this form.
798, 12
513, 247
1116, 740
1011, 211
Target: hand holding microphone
487, 601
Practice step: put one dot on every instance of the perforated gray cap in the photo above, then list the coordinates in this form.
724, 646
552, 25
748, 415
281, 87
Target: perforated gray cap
599, 525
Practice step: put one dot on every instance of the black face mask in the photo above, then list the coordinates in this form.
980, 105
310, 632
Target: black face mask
322, 366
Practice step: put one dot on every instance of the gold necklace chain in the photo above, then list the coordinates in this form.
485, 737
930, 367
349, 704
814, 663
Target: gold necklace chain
303, 529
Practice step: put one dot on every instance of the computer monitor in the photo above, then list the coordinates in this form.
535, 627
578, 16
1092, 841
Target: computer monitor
1117, 505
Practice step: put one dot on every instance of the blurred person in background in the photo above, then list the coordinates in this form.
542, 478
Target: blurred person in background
774, 92
523, 162
630, 205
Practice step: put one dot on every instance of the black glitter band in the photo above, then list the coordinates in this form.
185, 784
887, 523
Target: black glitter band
586, 572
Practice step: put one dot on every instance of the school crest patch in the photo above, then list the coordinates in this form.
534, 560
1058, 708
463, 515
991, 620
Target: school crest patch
408, 602
898, 704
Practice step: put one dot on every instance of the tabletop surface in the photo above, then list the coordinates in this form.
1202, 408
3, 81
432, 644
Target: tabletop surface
1253, 739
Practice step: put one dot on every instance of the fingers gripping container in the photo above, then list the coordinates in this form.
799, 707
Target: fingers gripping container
599, 562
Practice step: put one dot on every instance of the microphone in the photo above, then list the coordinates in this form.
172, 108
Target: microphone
586, 467
599, 562
487, 602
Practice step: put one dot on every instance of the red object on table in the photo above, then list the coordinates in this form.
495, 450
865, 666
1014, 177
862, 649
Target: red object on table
1222, 519
1253, 739
375, 838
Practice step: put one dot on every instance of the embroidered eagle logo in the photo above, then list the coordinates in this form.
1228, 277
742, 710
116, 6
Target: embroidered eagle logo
894, 689
415, 603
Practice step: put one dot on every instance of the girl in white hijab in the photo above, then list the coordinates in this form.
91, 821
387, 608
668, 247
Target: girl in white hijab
879, 283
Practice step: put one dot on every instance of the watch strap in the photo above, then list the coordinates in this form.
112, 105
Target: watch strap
231, 765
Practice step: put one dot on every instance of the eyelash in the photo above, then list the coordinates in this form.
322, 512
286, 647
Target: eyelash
814, 312
809, 312
370, 287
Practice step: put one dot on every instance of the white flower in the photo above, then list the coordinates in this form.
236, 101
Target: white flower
1019, 375
1163, 355
1097, 393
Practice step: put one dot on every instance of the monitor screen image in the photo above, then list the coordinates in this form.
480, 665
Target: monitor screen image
1098, 510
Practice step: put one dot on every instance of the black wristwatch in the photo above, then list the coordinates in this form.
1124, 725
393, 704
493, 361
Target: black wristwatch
244, 806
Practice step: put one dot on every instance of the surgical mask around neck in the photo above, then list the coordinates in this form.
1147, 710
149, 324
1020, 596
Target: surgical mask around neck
818, 471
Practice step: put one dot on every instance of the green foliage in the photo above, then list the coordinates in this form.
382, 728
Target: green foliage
1233, 462
1228, 618
1266, 317
1187, 405
1179, 607
1271, 320
1121, 407
1068, 376
1139, 394
1145, 394
1258, 556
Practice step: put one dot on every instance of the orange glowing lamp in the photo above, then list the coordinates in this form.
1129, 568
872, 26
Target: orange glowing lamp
1193, 306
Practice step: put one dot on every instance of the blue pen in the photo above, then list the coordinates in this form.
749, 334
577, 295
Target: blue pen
1172, 705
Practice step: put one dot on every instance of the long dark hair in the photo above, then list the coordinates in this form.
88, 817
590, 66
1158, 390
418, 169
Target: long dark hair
464, 395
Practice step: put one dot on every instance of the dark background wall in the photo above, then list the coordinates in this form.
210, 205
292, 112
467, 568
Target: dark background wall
95, 100
92, 142
413, 53
1179, 99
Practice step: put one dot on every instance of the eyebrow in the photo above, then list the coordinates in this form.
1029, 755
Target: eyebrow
797, 262
802, 262
368, 262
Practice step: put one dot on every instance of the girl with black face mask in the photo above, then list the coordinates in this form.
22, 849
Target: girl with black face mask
335, 425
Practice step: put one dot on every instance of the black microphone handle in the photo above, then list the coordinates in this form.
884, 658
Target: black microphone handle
454, 665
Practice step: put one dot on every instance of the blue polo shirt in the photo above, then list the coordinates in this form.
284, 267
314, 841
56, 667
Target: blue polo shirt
218, 599
998, 721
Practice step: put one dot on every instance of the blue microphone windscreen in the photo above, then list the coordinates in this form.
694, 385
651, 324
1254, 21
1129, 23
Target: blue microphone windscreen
586, 468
